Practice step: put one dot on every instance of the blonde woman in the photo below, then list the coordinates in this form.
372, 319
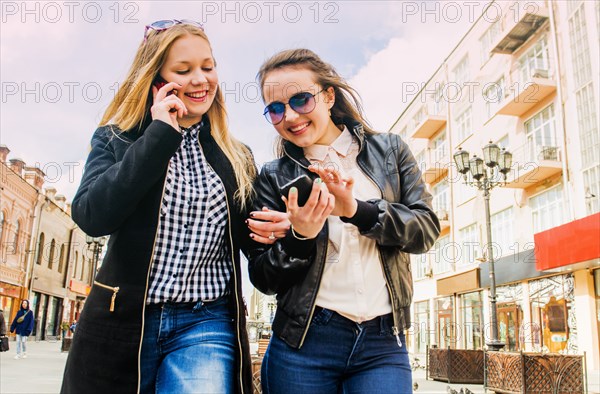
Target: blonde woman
172, 187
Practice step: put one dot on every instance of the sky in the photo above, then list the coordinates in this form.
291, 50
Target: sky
61, 62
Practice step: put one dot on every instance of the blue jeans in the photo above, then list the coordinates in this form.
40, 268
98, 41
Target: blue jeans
339, 356
21, 344
188, 348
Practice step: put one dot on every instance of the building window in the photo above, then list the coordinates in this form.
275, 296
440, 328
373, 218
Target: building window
502, 232
445, 332
469, 244
552, 313
420, 267
61, 259
442, 253
541, 136
580, 50
547, 209
472, 312
493, 94
487, 40
440, 149
40, 250
535, 59
591, 183
461, 71
439, 101
52, 254
1, 225
588, 126
441, 198
75, 265
421, 326
16, 236
464, 127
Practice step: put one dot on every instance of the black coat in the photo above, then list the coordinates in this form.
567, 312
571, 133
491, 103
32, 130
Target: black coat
401, 222
120, 194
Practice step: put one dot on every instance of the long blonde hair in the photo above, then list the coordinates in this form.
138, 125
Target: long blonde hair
131, 105
347, 105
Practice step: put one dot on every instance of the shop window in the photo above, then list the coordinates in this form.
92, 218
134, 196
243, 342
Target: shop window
421, 326
510, 316
553, 321
472, 321
445, 330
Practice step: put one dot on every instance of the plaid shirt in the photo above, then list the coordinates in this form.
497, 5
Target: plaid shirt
191, 260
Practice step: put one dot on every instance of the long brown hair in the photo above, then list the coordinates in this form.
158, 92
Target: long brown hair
347, 105
131, 105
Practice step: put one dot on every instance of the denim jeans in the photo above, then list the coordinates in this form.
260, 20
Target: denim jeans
188, 348
21, 344
339, 356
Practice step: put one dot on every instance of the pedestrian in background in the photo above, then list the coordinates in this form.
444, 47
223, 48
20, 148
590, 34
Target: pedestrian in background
342, 273
2, 324
23, 325
73, 326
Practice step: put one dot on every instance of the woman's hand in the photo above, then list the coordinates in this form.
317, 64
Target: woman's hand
164, 103
308, 220
340, 187
268, 226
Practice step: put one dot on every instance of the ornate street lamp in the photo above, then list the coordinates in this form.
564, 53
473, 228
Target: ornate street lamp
98, 243
493, 158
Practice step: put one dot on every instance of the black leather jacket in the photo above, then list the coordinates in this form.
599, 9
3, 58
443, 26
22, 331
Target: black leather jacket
401, 222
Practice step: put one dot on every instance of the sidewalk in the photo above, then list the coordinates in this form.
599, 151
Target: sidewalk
42, 371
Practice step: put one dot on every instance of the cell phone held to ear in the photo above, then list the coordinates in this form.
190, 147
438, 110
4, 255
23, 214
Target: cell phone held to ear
159, 82
304, 186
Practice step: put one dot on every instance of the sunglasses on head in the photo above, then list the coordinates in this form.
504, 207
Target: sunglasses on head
161, 25
302, 103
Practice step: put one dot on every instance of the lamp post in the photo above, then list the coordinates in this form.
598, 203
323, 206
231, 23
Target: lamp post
98, 243
493, 157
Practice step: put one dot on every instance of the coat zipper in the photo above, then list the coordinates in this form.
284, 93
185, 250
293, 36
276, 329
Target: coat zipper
235, 282
115, 290
395, 329
148, 281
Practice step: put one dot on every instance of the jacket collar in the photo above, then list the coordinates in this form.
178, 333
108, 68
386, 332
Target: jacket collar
297, 154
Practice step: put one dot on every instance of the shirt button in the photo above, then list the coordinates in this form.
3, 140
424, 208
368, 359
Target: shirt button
360, 291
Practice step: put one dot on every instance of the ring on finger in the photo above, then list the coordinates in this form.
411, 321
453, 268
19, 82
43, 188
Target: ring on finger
272, 236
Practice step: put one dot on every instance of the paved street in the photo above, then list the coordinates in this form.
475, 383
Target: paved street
41, 372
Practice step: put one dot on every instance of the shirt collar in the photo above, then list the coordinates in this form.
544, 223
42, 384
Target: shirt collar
191, 131
341, 145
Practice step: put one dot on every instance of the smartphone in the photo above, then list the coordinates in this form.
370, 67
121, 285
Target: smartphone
159, 82
304, 185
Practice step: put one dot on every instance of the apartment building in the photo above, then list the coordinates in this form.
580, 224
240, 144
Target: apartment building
526, 77
44, 256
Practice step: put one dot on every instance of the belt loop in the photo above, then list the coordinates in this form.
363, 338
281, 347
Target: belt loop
197, 307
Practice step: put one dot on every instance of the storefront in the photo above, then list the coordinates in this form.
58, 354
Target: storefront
48, 311
9, 300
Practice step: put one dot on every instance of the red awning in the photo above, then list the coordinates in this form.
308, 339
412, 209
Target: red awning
570, 243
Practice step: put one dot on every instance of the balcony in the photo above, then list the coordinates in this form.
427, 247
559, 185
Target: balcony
433, 163
428, 121
532, 164
444, 219
527, 89
518, 24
